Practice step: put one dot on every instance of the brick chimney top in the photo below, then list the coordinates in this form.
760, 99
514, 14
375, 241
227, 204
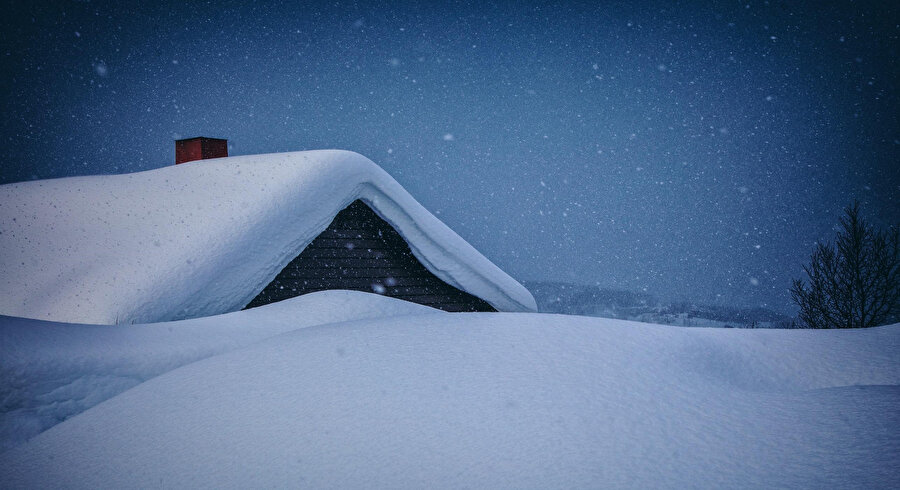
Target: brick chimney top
200, 148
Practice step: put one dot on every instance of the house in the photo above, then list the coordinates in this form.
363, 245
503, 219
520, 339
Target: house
362, 252
186, 241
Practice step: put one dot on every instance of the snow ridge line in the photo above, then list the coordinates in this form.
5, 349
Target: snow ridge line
50, 372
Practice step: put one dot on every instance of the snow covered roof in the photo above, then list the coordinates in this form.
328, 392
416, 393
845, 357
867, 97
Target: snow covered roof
205, 238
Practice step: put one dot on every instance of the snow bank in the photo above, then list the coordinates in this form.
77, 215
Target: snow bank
205, 237
51, 371
497, 401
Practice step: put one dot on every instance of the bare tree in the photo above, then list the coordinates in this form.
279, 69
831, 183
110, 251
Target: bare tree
854, 283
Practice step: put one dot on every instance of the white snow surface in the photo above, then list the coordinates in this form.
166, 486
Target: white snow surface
471, 400
51, 371
203, 238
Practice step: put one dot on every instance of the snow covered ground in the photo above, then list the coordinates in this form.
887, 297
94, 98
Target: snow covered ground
594, 300
353, 390
51, 371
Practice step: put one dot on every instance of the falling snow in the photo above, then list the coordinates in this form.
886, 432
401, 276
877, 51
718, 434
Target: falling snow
472, 107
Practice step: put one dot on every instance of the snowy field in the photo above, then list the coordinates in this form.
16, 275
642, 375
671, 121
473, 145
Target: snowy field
352, 390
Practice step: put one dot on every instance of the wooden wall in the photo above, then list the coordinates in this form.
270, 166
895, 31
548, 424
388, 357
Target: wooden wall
360, 251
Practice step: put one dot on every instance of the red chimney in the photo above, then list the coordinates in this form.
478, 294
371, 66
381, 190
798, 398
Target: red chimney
199, 148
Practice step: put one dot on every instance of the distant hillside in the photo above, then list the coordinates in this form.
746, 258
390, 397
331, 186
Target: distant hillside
574, 299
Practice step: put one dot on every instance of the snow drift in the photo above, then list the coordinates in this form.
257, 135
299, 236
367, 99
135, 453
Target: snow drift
51, 371
488, 401
204, 238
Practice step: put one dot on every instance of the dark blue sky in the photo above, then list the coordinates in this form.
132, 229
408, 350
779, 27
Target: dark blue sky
695, 151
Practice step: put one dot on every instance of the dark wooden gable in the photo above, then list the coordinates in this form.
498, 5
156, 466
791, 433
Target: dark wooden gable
360, 251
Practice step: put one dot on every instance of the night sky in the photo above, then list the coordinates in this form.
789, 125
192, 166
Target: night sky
693, 151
